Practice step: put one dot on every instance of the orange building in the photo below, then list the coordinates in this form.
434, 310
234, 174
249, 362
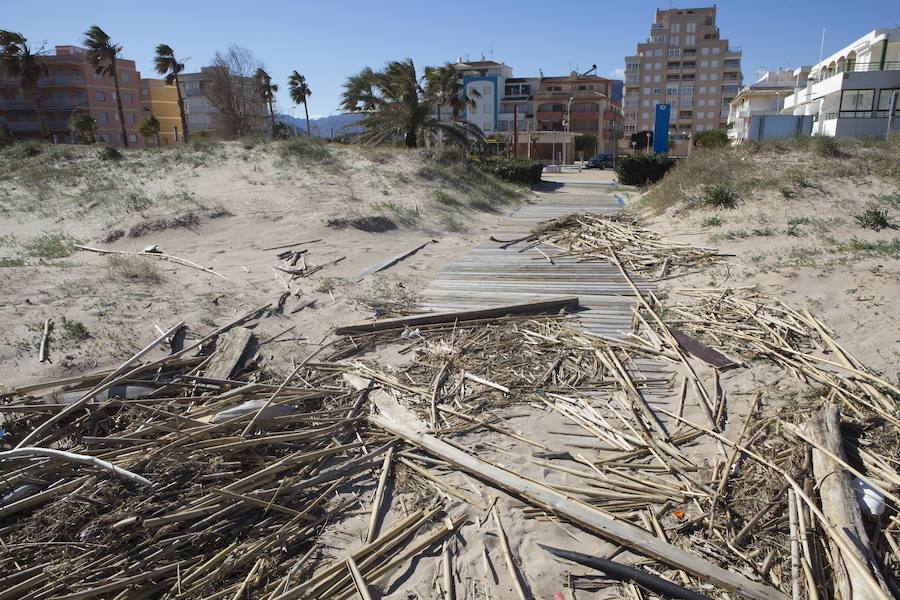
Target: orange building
73, 87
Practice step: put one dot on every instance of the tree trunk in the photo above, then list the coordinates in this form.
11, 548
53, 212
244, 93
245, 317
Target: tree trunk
40, 114
184, 125
272, 114
115, 76
306, 110
410, 139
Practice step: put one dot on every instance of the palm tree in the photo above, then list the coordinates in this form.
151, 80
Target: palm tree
444, 87
398, 107
102, 55
18, 61
266, 90
299, 93
167, 65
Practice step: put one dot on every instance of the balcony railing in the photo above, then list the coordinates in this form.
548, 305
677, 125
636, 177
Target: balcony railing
857, 114
857, 68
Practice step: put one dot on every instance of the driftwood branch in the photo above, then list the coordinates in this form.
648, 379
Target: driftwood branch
77, 458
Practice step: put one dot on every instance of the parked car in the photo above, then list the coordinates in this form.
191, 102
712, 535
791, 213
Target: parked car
600, 161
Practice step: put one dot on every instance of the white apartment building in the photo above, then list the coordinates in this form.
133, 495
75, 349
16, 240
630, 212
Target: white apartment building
848, 93
763, 97
687, 64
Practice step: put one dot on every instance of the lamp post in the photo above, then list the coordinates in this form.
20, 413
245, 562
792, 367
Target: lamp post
568, 119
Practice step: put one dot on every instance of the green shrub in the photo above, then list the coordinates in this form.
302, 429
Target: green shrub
720, 196
109, 153
26, 149
712, 138
711, 222
84, 127
875, 219
826, 146
516, 170
642, 170
304, 148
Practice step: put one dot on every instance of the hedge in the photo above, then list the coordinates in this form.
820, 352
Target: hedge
641, 170
517, 170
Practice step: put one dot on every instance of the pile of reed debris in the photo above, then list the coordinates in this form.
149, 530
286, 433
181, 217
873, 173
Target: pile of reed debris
202, 475
596, 237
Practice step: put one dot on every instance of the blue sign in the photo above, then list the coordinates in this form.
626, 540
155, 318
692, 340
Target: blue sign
661, 129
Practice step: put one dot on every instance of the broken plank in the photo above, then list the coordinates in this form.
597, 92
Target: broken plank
231, 351
542, 306
389, 262
710, 356
290, 245
582, 514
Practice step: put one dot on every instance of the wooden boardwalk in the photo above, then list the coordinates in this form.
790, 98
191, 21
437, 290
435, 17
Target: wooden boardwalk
490, 275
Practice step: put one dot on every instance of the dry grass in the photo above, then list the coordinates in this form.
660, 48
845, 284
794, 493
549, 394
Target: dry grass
792, 167
133, 268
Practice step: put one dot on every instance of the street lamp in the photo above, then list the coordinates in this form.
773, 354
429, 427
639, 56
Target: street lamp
568, 120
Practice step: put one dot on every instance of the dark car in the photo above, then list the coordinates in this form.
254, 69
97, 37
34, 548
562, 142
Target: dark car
600, 161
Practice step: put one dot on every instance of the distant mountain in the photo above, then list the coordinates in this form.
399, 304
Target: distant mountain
326, 125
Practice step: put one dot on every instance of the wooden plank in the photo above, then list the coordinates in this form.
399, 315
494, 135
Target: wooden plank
583, 514
710, 356
543, 306
231, 351
389, 262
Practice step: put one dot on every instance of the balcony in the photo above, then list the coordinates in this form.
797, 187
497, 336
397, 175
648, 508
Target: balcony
856, 68
733, 50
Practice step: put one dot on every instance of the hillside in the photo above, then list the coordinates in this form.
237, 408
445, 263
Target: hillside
219, 205
813, 221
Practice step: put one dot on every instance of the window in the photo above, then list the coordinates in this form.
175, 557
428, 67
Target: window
671, 90
656, 90
884, 100
690, 40
103, 118
658, 52
132, 138
77, 94
648, 78
100, 95
130, 118
675, 27
714, 63
859, 99
701, 102
632, 66
645, 103
703, 76
646, 116
704, 51
127, 98
116, 115
674, 40
629, 102
631, 127
704, 63
646, 90
145, 92
686, 102
691, 27
659, 39
713, 76
657, 78
716, 50
126, 76
687, 90
659, 66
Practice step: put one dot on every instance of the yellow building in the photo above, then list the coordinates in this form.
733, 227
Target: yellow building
162, 100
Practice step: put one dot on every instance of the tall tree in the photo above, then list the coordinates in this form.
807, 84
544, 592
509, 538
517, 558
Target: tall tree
19, 61
231, 89
167, 65
102, 54
299, 93
442, 85
266, 90
397, 106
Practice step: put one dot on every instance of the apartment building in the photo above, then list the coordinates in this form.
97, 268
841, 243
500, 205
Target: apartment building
539, 107
686, 63
848, 94
162, 101
202, 114
761, 103
73, 87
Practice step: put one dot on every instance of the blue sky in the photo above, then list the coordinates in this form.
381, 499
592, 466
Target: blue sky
327, 41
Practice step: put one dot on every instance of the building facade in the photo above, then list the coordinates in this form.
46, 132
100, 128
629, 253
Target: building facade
162, 101
550, 113
848, 94
686, 63
73, 87
764, 97
202, 114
